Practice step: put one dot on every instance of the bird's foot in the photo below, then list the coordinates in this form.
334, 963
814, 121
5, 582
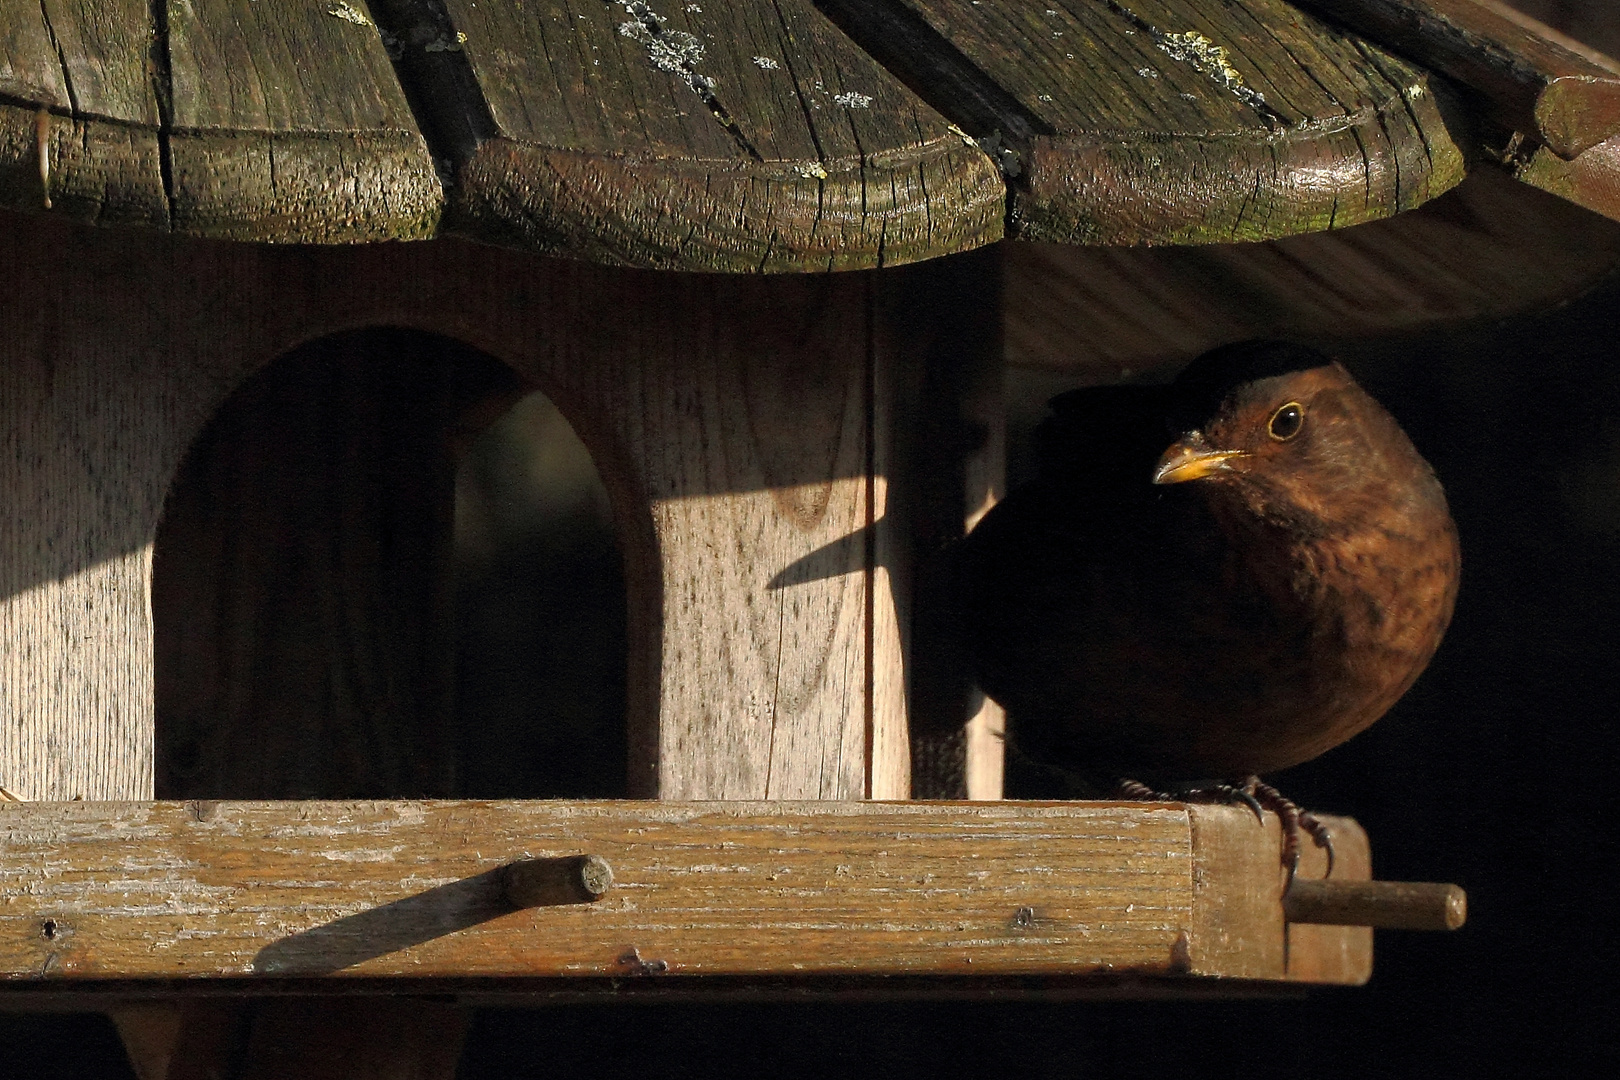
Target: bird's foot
1294, 822
1259, 797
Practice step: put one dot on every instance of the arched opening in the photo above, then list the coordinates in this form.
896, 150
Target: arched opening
376, 578
540, 615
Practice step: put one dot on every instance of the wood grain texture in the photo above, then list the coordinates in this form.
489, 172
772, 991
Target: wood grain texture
731, 418
1490, 248
331, 188
288, 125
1591, 180
87, 58
86, 446
275, 120
351, 890
731, 136
1176, 121
1535, 84
101, 173
753, 437
290, 66
1239, 885
86, 66
1333, 954
30, 67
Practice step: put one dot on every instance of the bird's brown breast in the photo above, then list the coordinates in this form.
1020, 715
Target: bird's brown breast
1356, 614
1232, 625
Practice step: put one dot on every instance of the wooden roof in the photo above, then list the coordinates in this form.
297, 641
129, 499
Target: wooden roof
738, 135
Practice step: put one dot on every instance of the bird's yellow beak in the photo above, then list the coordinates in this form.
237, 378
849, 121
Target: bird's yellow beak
1191, 458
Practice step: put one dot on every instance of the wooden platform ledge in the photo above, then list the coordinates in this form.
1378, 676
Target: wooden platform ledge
272, 891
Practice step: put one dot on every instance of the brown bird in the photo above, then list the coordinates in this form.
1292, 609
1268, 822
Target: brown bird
1210, 580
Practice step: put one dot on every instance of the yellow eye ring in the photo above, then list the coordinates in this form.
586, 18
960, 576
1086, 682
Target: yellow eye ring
1286, 422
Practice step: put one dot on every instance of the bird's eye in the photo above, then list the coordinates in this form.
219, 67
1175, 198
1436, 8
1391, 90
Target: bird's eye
1286, 421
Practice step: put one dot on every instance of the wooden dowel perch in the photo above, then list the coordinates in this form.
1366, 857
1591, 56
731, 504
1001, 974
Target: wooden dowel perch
1384, 905
576, 879
1540, 88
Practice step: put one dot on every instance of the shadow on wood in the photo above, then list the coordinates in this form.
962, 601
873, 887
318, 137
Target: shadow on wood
387, 928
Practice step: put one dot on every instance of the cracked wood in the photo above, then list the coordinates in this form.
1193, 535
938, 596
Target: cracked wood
1175, 121
264, 120
1535, 85
733, 136
84, 64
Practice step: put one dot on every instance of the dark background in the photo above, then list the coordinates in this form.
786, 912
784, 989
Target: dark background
1498, 771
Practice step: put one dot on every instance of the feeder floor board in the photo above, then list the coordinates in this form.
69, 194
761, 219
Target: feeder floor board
256, 893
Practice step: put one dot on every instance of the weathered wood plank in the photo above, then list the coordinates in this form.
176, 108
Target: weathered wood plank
289, 126
289, 66
334, 188
278, 120
94, 155
88, 170
89, 58
746, 403
729, 136
30, 68
1591, 180
1173, 121
174, 890
1536, 86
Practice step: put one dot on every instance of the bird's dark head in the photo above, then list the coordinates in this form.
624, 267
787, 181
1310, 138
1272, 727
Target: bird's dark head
1291, 433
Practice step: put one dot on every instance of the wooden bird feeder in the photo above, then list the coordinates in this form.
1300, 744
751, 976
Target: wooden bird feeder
634, 207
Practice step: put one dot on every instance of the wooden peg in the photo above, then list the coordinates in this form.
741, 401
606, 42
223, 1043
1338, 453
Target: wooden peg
574, 879
1539, 87
1386, 905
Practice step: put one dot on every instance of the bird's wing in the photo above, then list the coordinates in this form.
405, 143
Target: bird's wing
1051, 562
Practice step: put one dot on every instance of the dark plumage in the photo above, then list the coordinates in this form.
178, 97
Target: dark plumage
1268, 608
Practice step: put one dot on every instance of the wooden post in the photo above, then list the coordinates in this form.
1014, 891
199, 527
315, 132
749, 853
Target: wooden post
947, 462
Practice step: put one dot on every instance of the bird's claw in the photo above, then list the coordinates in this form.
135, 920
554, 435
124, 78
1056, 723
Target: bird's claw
1244, 796
1294, 822
1259, 797
1320, 835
